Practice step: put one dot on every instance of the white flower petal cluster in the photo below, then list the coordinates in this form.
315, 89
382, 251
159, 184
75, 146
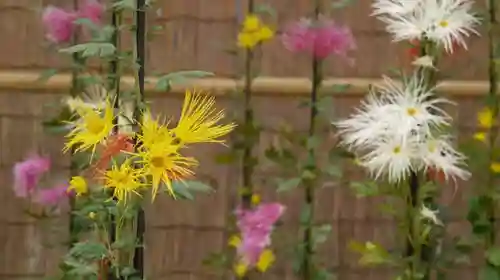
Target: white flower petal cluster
444, 22
398, 129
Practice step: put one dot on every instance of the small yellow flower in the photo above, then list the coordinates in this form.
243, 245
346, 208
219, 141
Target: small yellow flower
164, 164
255, 200
78, 185
485, 118
199, 121
234, 241
124, 180
495, 167
480, 136
240, 269
253, 32
265, 261
92, 215
90, 129
251, 23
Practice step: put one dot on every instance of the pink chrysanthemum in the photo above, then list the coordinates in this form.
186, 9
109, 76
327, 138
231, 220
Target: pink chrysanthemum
58, 24
92, 10
319, 39
27, 174
256, 227
53, 196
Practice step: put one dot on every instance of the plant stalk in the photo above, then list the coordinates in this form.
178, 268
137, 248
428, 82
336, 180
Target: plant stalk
308, 268
248, 120
74, 91
420, 253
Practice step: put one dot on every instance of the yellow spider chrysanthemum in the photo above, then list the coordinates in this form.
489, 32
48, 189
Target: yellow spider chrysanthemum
199, 120
90, 129
164, 164
124, 180
153, 132
78, 185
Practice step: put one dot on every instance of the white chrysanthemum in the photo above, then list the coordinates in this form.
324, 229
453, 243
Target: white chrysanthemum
413, 107
442, 21
392, 132
394, 7
438, 154
397, 110
391, 157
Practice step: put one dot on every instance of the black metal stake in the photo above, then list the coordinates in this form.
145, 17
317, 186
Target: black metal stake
114, 85
141, 57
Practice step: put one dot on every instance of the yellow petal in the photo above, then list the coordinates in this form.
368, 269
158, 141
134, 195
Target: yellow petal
495, 167
480, 136
485, 118
265, 33
240, 269
234, 241
247, 40
251, 23
255, 199
265, 261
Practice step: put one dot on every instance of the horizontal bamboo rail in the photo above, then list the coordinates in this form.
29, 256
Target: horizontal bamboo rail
29, 81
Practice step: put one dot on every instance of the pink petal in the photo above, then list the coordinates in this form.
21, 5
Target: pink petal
52, 196
92, 10
58, 24
27, 174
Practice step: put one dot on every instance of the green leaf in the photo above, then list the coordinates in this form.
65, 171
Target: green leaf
91, 49
312, 142
198, 186
493, 256
46, 75
165, 82
371, 253
320, 234
181, 191
337, 88
341, 4
305, 214
334, 171
265, 8
216, 260
124, 4
226, 158
323, 274
365, 189
89, 251
288, 184
488, 273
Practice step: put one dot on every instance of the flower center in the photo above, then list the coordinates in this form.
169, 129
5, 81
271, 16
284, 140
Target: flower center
443, 23
94, 126
158, 162
396, 150
411, 111
122, 178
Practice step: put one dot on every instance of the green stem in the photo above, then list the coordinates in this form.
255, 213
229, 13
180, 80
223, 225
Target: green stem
74, 91
308, 267
248, 125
